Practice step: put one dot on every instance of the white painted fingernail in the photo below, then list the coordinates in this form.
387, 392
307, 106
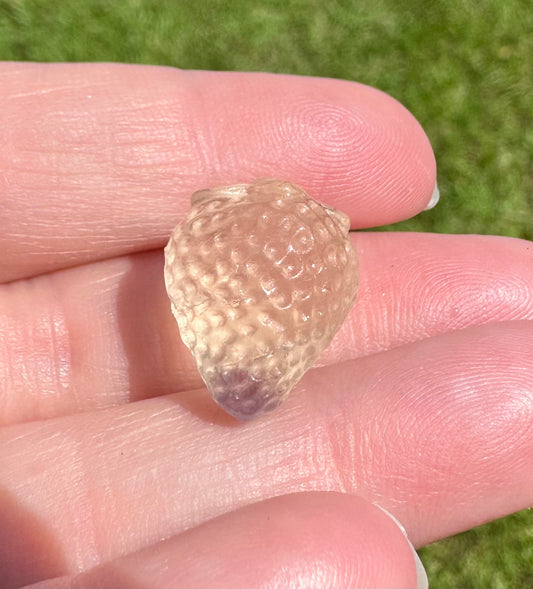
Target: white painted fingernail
434, 198
421, 575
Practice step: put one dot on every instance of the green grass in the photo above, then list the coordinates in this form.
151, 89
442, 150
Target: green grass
499, 554
463, 67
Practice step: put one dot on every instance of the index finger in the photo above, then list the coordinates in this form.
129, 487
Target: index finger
99, 160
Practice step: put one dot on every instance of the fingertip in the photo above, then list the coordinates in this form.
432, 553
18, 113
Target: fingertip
302, 540
347, 144
376, 158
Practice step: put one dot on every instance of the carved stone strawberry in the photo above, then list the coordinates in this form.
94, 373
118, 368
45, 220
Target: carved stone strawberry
260, 278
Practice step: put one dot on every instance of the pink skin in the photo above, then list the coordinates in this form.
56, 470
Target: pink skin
303, 539
423, 403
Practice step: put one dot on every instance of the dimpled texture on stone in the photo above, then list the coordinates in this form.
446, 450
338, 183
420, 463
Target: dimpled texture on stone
260, 278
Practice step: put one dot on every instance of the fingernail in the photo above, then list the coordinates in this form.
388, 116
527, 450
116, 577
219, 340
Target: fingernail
434, 198
421, 575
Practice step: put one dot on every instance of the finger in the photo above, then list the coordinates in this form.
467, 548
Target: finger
101, 159
103, 334
301, 540
437, 432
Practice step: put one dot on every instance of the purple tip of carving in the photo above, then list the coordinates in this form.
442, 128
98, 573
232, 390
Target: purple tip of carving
242, 396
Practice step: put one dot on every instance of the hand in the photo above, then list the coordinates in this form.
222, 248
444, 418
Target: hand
116, 466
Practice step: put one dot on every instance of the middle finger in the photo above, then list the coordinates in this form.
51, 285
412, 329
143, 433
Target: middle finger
103, 334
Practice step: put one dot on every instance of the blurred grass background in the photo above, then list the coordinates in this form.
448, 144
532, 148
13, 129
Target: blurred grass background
463, 67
